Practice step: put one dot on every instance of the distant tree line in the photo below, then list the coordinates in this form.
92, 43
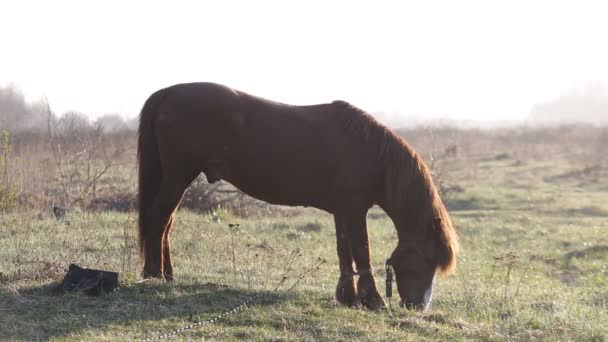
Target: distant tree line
587, 105
17, 116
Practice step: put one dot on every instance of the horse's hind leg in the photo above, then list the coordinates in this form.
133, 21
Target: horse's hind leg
159, 218
346, 292
366, 286
168, 265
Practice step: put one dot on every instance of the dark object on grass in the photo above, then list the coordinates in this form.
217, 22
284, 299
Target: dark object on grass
59, 212
89, 281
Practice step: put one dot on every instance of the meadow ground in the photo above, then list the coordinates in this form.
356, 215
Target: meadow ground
534, 266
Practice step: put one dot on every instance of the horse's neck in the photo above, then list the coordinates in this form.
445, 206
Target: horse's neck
409, 192
409, 212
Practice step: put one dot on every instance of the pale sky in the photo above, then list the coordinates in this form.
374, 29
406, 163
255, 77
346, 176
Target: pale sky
479, 60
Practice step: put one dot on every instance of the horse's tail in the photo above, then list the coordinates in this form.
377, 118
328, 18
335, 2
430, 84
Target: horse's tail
149, 165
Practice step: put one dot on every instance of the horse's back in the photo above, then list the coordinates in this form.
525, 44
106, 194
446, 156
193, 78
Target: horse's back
280, 153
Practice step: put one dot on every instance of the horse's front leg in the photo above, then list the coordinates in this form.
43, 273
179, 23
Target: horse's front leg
366, 286
346, 292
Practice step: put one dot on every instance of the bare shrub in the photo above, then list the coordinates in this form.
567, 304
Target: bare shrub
203, 196
10, 180
81, 156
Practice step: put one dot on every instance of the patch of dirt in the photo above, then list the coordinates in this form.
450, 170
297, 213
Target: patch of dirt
496, 157
502, 156
584, 253
442, 319
281, 225
119, 201
547, 260
436, 318
264, 245
588, 211
293, 236
600, 300
589, 172
408, 325
214, 287
568, 276
505, 315
310, 227
471, 203
543, 306
564, 270
566, 244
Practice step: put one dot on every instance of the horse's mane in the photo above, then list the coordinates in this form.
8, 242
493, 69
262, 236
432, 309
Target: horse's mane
409, 185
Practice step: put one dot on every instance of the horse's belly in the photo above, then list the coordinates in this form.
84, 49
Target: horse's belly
283, 189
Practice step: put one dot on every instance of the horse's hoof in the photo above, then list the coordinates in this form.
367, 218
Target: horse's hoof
368, 293
346, 293
373, 301
149, 275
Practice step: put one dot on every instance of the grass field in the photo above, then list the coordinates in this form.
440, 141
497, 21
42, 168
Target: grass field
534, 266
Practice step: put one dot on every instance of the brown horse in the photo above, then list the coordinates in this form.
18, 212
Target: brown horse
333, 156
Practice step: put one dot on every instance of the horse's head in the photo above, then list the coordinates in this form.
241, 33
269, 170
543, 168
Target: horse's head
415, 263
414, 272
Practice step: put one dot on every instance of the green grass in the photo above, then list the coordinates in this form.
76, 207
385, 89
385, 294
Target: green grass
534, 266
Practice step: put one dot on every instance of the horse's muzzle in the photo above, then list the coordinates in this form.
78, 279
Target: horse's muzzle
422, 305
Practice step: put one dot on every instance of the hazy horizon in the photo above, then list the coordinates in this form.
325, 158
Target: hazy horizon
473, 61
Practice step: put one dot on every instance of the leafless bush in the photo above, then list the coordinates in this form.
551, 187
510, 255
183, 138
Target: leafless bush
10, 180
202, 196
81, 156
